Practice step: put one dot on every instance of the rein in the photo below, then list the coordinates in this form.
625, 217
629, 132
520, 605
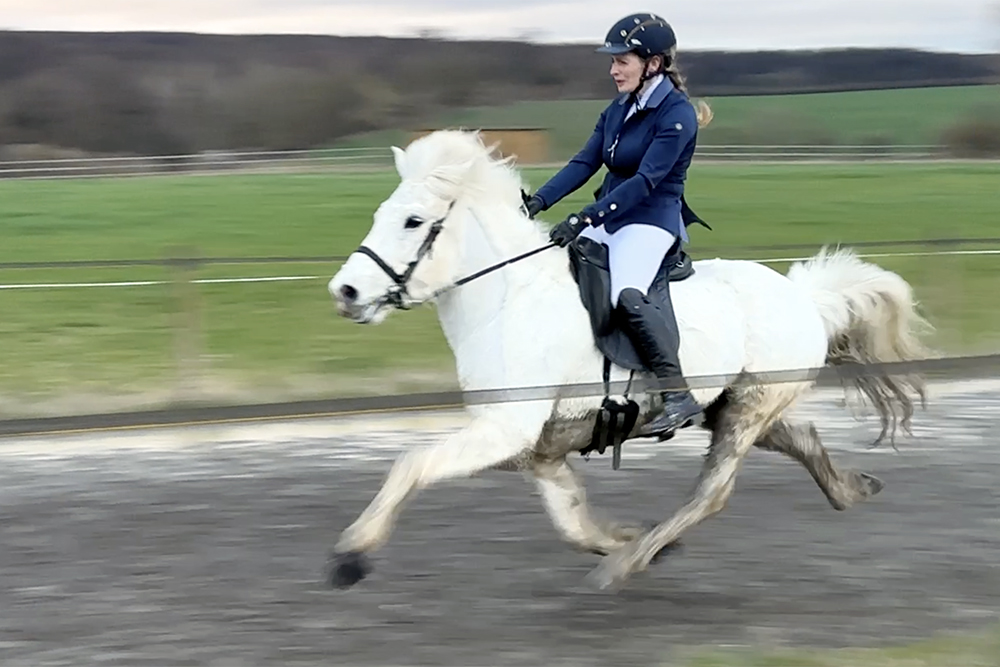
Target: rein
490, 269
398, 296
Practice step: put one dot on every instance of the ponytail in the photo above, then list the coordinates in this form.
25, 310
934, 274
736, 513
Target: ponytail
704, 112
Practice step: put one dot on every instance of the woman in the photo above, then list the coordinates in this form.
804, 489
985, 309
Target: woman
646, 138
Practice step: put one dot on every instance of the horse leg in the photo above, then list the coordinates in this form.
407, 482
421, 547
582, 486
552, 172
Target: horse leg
739, 423
481, 445
562, 491
802, 443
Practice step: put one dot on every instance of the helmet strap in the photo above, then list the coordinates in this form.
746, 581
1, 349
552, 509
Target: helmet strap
646, 76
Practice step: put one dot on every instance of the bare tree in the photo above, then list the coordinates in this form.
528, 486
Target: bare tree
128, 92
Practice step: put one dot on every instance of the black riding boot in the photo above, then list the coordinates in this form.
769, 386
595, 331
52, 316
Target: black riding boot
653, 332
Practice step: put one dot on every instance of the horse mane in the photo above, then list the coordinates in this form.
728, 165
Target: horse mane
484, 172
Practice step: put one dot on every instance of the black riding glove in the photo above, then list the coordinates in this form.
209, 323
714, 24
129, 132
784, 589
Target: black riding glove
567, 230
532, 204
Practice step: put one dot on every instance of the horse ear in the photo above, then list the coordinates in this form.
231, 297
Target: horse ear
399, 155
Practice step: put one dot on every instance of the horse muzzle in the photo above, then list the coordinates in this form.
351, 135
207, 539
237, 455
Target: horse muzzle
359, 313
346, 301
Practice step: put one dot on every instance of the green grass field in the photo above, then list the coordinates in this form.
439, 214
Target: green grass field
282, 339
905, 116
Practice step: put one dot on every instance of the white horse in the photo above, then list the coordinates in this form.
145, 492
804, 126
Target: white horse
458, 209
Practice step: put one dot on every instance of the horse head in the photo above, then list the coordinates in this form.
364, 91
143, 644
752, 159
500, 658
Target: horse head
415, 245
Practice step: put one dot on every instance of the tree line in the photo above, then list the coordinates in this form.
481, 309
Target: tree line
159, 93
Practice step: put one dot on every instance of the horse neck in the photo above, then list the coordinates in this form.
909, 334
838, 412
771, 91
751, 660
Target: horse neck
471, 315
507, 230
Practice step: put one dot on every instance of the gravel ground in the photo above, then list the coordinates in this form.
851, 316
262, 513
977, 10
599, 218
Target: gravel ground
207, 546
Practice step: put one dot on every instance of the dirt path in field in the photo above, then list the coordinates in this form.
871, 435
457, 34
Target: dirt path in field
207, 547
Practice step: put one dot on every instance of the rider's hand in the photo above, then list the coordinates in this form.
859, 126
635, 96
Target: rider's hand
532, 204
567, 230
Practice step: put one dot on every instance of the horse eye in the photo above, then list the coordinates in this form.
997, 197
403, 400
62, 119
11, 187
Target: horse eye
413, 222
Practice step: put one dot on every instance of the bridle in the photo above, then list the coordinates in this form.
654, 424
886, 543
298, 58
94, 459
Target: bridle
398, 295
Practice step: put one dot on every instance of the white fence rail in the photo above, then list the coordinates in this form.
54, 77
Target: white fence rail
353, 159
299, 278
828, 152
207, 162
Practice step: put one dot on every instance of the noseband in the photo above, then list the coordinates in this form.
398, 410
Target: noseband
398, 295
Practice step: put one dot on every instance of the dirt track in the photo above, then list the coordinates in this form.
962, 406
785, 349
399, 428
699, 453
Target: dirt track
207, 547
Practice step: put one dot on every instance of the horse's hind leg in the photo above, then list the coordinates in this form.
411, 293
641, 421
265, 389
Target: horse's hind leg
565, 501
740, 421
843, 488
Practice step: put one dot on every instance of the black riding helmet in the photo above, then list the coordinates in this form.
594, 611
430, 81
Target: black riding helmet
646, 35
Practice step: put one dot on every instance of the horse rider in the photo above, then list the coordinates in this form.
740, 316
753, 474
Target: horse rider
646, 138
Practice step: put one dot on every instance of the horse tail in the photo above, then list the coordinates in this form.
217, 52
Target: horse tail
871, 317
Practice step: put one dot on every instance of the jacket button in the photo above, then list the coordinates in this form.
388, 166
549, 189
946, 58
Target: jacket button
613, 207
600, 214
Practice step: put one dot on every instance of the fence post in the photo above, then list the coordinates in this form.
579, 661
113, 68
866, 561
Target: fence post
183, 264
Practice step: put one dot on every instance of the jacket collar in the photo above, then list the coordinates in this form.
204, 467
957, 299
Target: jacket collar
660, 93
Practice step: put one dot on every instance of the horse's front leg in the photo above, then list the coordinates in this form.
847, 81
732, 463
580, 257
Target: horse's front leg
565, 501
483, 444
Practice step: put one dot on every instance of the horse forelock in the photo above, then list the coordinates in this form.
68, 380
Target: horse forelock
485, 177
443, 149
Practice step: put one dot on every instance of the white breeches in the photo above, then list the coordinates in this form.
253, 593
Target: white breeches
635, 253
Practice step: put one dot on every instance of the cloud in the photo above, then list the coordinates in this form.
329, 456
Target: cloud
955, 25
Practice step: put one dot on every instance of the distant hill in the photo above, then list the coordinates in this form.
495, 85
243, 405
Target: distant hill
171, 92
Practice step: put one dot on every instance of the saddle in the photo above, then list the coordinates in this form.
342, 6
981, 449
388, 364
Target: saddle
589, 266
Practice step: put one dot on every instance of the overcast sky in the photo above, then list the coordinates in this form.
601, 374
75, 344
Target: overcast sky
947, 25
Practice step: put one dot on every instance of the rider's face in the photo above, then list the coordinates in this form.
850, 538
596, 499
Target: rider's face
626, 70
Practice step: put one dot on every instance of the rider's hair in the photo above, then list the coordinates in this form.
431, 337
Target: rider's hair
705, 113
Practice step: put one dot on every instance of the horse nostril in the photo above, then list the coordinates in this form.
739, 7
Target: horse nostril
348, 293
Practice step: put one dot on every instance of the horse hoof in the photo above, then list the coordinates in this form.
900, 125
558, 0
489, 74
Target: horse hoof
350, 568
872, 483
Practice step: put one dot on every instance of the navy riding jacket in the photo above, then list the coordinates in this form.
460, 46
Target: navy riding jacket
647, 158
